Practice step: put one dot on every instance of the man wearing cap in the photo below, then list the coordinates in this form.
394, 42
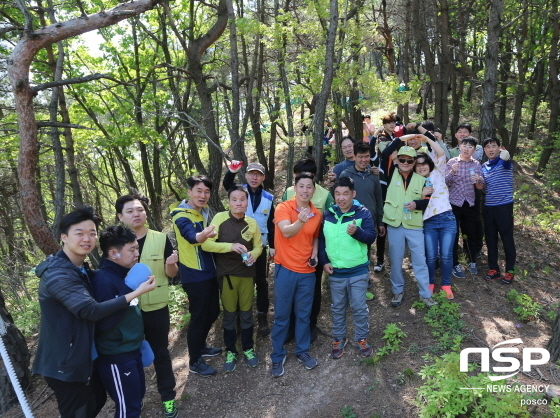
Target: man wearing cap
261, 209
403, 215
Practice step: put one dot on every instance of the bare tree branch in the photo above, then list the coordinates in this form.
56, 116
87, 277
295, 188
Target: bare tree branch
62, 125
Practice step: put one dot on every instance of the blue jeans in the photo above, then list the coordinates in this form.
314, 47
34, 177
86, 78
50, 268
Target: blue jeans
291, 288
439, 233
349, 291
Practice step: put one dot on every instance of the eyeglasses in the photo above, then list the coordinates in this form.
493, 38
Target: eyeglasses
254, 174
405, 161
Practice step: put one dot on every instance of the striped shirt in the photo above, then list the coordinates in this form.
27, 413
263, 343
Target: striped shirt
460, 184
498, 176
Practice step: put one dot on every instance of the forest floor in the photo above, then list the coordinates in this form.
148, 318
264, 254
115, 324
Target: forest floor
347, 387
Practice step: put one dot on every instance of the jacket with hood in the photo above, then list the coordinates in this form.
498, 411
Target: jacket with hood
368, 191
195, 264
68, 315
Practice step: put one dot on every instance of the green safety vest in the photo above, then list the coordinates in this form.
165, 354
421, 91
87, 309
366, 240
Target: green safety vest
397, 196
153, 257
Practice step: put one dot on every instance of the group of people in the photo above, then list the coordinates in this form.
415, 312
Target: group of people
401, 187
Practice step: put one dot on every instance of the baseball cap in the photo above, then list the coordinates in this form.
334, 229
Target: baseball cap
411, 152
255, 167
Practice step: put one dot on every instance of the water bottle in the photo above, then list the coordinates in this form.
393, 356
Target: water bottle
245, 257
471, 171
407, 215
428, 184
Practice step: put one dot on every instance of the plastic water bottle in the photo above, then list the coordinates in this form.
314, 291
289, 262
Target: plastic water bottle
245, 257
407, 215
428, 182
471, 171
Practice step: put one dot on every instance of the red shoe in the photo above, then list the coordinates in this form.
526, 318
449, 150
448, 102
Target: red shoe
432, 288
508, 278
493, 275
448, 292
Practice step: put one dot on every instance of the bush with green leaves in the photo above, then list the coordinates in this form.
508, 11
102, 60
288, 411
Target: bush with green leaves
448, 392
393, 336
525, 306
178, 301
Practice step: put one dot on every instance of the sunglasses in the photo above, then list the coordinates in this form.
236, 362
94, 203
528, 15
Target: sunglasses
405, 161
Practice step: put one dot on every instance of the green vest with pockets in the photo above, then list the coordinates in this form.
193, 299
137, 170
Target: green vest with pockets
397, 196
153, 257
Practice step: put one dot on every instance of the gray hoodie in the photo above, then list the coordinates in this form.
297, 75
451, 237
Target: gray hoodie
368, 191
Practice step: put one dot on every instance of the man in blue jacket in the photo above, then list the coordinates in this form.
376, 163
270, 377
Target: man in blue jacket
68, 315
347, 231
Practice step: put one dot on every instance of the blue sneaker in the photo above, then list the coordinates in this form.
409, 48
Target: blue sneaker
251, 357
278, 368
210, 351
202, 369
458, 272
338, 348
231, 361
308, 361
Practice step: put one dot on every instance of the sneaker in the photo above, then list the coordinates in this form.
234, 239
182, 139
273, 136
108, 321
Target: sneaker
365, 349
278, 368
493, 275
369, 296
429, 302
308, 361
210, 351
338, 348
458, 272
251, 357
231, 361
473, 269
448, 292
397, 300
202, 369
170, 409
508, 278
264, 328
431, 287
379, 267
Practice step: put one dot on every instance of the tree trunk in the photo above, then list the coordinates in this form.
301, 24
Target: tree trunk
553, 71
538, 84
19, 353
491, 69
18, 70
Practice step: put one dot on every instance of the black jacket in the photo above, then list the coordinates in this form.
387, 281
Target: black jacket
68, 315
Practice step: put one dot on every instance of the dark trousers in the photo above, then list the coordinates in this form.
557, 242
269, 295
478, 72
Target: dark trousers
261, 282
478, 225
499, 220
466, 218
126, 384
204, 307
79, 399
156, 332
380, 241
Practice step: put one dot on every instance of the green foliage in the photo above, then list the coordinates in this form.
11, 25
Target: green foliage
178, 300
527, 308
445, 322
442, 395
348, 412
393, 336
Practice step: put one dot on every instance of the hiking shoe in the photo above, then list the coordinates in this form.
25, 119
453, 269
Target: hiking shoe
308, 361
429, 302
278, 368
251, 357
458, 272
170, 409
379, 267
210, 351
508, 278
202, 369
448, 292
369, 296
431, 287
264, 329
397, 300
493, 275
338, 348
473, 269
365, 349
231, 361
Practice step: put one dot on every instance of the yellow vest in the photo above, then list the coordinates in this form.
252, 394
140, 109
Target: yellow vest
397, 196
153, 257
